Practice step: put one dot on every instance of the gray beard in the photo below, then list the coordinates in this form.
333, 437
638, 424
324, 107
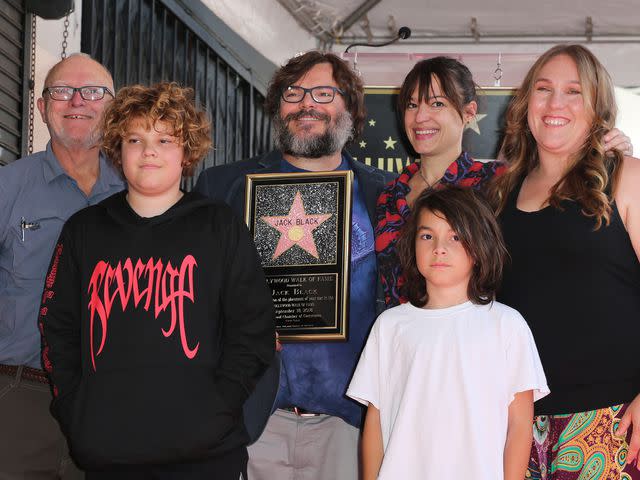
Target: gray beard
328, 143
92, 139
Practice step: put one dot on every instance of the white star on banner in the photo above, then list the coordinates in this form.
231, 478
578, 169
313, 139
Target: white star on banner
473, 124
390, 143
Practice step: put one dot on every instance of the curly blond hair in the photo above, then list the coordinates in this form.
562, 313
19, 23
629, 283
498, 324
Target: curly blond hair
591, 178
165, 102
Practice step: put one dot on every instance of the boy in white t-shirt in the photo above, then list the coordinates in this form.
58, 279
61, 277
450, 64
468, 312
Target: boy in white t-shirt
449, 378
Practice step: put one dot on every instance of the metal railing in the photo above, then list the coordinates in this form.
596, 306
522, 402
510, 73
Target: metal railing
15, 47
146, 41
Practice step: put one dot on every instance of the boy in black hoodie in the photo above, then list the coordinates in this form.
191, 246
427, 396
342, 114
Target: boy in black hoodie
156, 318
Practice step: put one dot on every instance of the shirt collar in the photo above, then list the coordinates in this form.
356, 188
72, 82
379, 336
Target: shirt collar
51, 168
345, 164
108, 175
410, 170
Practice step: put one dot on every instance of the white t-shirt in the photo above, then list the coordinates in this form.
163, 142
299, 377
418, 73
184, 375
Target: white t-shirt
443, 380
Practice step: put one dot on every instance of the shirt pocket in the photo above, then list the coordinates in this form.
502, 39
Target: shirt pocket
32, 255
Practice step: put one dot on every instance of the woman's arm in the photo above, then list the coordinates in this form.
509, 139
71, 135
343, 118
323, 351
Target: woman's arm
627, 197
517, 448
372, 451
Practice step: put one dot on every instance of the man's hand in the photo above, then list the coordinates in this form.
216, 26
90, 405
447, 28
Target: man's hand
616, 139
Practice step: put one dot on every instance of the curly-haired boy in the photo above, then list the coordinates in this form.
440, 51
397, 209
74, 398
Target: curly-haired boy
156, 318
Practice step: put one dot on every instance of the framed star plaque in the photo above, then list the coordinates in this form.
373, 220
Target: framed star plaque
300, 223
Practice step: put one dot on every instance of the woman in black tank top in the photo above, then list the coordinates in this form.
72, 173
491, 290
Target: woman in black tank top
571, 221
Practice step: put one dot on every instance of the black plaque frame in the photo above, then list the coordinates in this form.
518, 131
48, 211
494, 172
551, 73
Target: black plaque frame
310, 292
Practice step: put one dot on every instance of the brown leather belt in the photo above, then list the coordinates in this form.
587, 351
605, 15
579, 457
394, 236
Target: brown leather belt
24, 373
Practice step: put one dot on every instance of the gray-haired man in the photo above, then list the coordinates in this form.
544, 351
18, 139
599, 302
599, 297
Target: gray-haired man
38, 193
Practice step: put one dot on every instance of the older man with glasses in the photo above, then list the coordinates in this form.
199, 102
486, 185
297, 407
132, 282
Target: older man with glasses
37, 195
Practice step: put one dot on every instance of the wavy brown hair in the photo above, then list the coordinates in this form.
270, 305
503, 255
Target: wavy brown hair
471, 217
591, 177
348, 81
162, 102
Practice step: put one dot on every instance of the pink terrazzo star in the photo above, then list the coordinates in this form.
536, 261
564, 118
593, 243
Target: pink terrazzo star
296, 228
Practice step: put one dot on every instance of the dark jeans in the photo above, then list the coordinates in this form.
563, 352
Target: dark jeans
230, 466
32, 445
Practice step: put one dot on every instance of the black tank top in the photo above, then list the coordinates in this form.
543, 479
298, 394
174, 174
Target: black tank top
579, 290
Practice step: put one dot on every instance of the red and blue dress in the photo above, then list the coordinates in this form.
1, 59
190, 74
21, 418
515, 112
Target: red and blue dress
392, 212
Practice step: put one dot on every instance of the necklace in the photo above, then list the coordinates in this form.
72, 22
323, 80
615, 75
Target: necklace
424, 178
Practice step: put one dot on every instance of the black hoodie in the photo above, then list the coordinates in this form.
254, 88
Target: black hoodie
155, 331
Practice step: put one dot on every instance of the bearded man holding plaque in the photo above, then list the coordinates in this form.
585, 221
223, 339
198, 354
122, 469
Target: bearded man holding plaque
316, 102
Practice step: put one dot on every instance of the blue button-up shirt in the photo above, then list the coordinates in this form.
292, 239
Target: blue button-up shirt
36, 198
315, 375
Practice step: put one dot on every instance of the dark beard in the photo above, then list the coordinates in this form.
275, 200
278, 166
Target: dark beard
328, 143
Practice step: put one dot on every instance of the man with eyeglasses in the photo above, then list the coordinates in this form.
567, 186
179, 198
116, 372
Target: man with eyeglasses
316, 103
37, 195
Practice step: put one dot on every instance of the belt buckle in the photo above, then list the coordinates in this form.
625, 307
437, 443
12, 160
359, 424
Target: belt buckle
300, 413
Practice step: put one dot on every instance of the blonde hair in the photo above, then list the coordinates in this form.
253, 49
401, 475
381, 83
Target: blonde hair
591, 178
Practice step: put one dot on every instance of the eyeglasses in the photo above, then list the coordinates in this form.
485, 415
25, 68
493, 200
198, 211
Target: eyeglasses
321, 94
64, 93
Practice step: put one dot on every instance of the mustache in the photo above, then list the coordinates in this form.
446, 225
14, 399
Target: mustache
307, 113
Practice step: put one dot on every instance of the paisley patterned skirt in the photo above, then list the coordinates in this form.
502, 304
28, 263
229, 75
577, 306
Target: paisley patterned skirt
580, 446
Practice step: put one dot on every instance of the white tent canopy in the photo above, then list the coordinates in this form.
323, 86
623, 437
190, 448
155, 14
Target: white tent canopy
611, 29
518, 29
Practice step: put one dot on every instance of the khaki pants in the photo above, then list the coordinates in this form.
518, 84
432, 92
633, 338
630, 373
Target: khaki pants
33, 448
305, 448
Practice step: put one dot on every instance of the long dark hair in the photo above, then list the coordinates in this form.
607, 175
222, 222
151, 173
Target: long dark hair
471, 217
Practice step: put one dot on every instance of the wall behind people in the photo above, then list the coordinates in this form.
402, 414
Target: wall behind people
266, 25
228, 79
628, 119
49, 37
147, 42
614, 56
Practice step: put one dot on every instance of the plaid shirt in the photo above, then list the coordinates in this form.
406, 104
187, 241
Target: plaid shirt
392, 212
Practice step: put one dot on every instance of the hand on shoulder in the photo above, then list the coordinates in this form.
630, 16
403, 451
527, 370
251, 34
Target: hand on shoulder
616, 139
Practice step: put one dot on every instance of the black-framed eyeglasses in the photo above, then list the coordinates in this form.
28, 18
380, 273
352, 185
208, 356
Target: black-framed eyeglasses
91, 93
321, 94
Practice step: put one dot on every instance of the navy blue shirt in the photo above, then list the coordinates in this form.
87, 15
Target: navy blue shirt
315, 375
37, 190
